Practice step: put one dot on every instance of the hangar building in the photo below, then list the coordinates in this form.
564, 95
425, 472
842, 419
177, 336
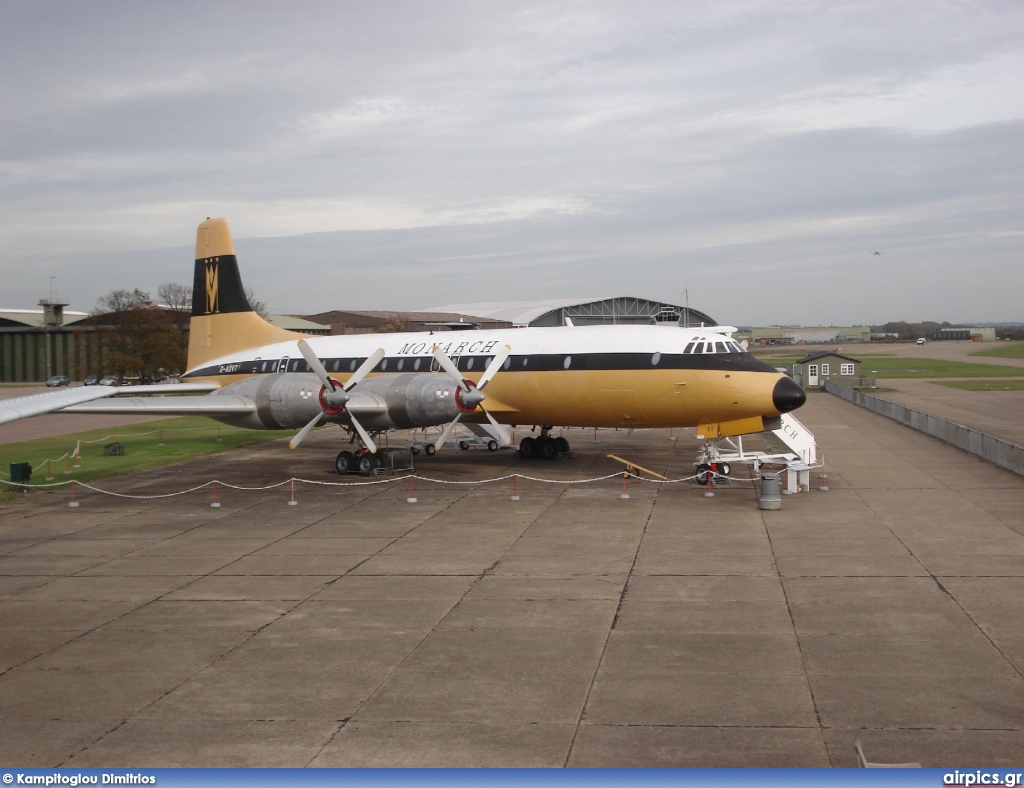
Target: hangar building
582, 312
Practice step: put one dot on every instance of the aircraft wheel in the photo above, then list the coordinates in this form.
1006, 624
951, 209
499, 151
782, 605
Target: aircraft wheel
429, 449
562, 445
463, 445
528, 448
368, 463
492, 445
702, 473
547, 449
723, 468
345, 462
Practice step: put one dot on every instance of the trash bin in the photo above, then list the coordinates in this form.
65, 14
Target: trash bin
770, 498
21, 472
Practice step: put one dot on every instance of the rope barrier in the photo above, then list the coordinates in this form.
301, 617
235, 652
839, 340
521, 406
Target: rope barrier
215, 483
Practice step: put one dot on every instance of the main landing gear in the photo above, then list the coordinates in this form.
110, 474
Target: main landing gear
544, 447
366, 463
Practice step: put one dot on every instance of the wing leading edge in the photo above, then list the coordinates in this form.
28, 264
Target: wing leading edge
51, 401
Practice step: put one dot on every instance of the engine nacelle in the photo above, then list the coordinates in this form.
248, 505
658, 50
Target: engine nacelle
410, 400
291, 400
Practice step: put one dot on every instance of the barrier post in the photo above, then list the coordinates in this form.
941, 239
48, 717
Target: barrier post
219, 439
515, 495
292, 501
49, 472
77, 456
823, 485
412, 490
74, 503
625, 476
160, 438
216, 503
67, 464
709, 493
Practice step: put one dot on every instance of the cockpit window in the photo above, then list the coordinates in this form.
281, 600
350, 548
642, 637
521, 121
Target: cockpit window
699, 348
720, 347
688, 348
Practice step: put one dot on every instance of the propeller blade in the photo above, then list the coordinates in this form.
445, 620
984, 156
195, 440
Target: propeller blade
334, 395
364, 369
301, 435
367, 441
314, 362
494, 367
447, 364
447, 431
498, 432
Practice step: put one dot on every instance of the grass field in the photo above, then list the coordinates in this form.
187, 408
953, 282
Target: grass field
884, 366
933, 368
182, 438
1012, 350
983, 385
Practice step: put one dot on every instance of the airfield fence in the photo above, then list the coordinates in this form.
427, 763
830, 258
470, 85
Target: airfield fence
1006, 455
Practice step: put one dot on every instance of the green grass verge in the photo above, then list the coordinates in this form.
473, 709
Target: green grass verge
182, 438
932, 368
983, 385
1014, 350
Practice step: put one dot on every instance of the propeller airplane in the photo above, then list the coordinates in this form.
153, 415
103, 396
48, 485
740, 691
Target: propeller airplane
253, 374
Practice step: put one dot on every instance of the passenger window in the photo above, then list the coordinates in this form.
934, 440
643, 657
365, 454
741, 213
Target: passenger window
699, 348
720, 347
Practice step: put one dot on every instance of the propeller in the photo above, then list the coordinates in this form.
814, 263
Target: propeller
469, 395
334, 396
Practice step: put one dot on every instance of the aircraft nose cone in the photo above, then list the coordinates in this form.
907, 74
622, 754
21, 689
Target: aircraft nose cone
788, 395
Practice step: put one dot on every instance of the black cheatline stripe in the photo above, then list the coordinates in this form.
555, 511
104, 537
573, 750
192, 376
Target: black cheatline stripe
541, 362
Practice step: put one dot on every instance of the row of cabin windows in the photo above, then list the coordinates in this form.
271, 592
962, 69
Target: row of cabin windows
300, 365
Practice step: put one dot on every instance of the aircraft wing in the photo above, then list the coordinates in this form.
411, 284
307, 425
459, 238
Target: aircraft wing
218, 405
50, 401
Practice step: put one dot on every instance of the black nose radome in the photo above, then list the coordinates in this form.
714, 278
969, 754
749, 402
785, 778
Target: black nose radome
788, 395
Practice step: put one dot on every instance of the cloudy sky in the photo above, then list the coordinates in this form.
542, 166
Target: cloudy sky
375, 155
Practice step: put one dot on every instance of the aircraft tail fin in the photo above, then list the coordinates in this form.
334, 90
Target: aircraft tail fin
223, 321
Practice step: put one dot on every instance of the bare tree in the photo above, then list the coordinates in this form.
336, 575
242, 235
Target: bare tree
141, 338
259, 307
176, 296
393, 325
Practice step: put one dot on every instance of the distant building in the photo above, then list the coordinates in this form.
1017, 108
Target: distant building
812, 370
619, 310
815, 335
965, 334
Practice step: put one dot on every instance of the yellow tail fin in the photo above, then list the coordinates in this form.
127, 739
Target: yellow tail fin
222, 320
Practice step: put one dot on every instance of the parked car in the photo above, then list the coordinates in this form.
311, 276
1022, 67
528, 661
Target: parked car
109, 380
58, 380
921, 341
91, 380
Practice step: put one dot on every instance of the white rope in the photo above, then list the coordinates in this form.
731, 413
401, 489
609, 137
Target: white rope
368, 482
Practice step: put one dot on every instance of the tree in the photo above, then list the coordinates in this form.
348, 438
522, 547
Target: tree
259, 307
141, 338
393, 325
175, 296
